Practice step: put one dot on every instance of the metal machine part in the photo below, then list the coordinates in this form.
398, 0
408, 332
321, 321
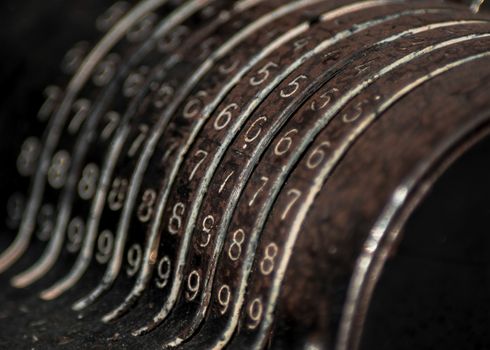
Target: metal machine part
246, 174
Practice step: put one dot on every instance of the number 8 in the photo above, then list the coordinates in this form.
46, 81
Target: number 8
236, 247
267, 264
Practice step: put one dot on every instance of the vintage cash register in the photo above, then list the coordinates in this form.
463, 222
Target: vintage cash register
245, 174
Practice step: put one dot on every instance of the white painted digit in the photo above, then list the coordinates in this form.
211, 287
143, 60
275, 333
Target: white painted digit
58, 170
263, 74
358, 110
267, 264
134, 82
88, 183
194, 106
138, 142
113, 118
254, 131
74, 57
145, 210
229, 68
207, 226
317, 156
52, 94
105, 244
175, 221
163, 271
300, 43
45, 222
109, 18
201, 155
193, 284
255, 311
235, 250
171, 41
74, 234
295, 194
142, 29
224, 297
325, 99
80, 109
117, 194
293, 86
225, 116
135, 256
15, 210
285, 143
223, 185
28, 156
163, 96
264, 180
106, 69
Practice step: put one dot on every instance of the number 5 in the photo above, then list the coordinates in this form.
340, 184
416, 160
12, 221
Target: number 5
263, 74
293, 86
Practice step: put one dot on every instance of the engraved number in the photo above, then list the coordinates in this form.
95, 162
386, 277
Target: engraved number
74, 58
117, 195
175, 221
170, 150
194, 106
324, 100
227, 69
201, 155
299, 44
224, 296
142, 29
295, 194
255, 311
173, 40
105, 243
15, 209
267, 264
223, 184
264, 180
293, 86
74, 233
285, 143
235, 249
134, 82
80, 109
106, 69
263, 74
163, 96
207, 226
163, 271
45, 222
224, 117
145, 210
113, 119
138, 141
254, 130
105, 21
317, 156
135, 255
357, 112
52, 94
58, 170
193, 284
88, 182
29, 153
